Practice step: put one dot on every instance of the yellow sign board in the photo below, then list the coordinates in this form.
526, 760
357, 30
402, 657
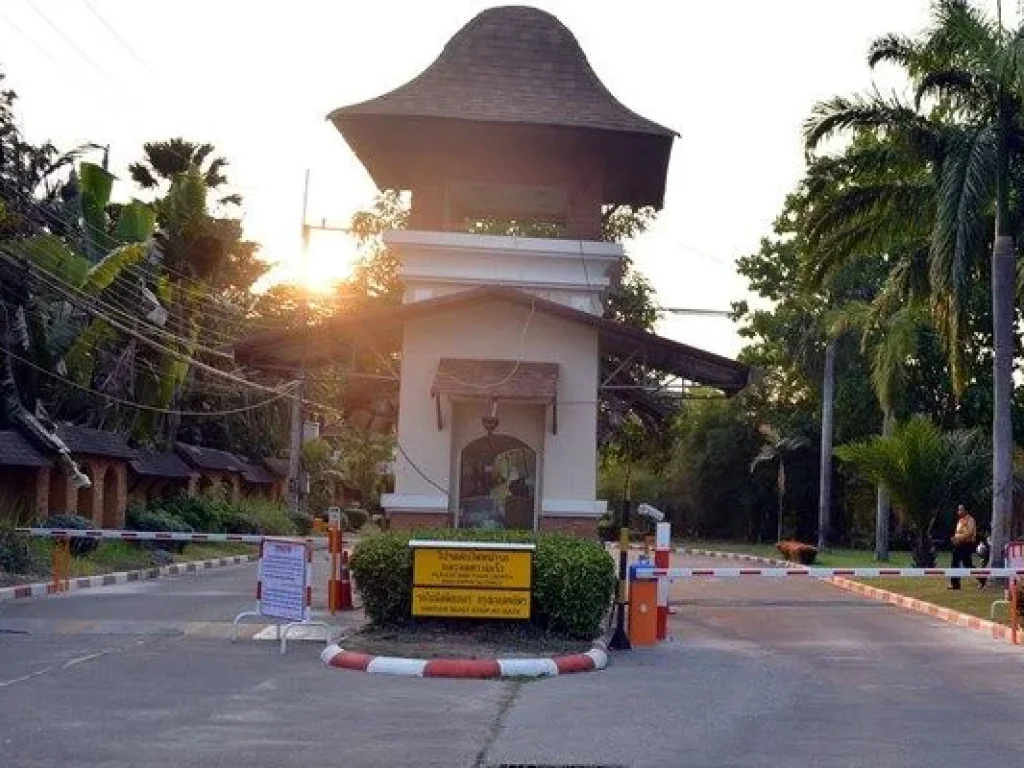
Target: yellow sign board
471, 603
471, 580
487, 568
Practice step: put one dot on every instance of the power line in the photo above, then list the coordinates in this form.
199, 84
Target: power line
117, 36
53, 59
53, 219
155, 344
74, 46
153, 408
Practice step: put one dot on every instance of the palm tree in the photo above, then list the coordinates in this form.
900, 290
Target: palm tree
777, 452
968, 69
925, 471
166, 160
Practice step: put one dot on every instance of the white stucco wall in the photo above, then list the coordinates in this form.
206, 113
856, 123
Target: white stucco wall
568, 461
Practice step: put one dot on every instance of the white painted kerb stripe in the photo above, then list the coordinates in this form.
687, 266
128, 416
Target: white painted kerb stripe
527, 667
391, 665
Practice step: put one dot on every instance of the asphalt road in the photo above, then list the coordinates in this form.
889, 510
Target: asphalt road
760, 674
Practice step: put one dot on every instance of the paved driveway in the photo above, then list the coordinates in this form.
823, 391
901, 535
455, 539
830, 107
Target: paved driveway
759, 674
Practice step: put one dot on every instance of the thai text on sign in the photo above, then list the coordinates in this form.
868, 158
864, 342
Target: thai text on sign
284, 579
475, 580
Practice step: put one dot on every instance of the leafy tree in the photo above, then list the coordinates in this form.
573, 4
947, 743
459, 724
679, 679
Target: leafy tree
926, 471
706, 496
166, 160
968, 69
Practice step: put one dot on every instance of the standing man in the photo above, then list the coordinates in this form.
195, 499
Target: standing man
963, 543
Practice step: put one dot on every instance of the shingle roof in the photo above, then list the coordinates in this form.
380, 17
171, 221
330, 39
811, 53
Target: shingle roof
278, 466
384, 325
16, 451
257, 474
209, 458
166, 464
512, 64
514, 81
95, 442
503, 379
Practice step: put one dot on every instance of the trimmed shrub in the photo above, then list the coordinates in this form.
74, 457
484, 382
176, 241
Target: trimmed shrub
352, 520
77, 547
573, 578
269, 518
142, 519
797, 552
16, 556
200, 513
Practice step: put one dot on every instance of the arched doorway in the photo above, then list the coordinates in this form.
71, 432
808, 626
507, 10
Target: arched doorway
497, 483
86, 496
111, 499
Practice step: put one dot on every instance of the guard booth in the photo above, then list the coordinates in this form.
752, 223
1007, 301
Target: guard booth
514, 153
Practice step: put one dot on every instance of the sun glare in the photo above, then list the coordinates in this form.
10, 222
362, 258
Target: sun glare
327, 260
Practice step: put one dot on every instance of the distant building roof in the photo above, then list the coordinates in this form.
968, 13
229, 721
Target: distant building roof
95, 442
257, 474
209, 458
278, 466
167, 464
16, 451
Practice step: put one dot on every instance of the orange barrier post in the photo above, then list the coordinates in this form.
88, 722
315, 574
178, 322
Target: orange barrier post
61, 565
643, 610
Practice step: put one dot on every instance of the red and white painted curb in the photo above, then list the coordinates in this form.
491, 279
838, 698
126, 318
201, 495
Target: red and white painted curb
479, 669
23, 591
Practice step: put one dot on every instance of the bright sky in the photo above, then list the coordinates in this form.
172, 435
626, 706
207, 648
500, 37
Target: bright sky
735, 78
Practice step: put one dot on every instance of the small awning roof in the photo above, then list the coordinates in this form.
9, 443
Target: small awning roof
496, 379
381, 330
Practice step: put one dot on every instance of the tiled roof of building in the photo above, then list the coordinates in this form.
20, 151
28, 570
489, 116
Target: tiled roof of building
167, 464
278, 466
16, 451
209, 458
95, 442
257, 474
512, 64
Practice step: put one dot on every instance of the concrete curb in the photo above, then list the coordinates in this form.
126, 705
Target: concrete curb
964, 620
477, 669
23, 591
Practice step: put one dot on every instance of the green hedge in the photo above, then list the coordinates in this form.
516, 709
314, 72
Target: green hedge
573, 578
156, 520
210, 515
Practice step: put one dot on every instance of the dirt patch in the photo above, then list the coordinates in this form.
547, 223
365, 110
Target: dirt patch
451, 640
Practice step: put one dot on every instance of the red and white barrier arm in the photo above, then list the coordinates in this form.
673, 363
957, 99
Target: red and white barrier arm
102, 533
679, 574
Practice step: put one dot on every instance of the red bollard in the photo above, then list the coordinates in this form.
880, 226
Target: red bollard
662, 558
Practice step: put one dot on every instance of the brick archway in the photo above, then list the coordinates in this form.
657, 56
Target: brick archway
111, 499
86, 502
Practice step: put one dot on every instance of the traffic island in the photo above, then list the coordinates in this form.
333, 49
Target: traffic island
468, 668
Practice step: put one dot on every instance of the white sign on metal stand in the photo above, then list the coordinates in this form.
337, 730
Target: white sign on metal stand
284, 577
334, 517
284, 587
